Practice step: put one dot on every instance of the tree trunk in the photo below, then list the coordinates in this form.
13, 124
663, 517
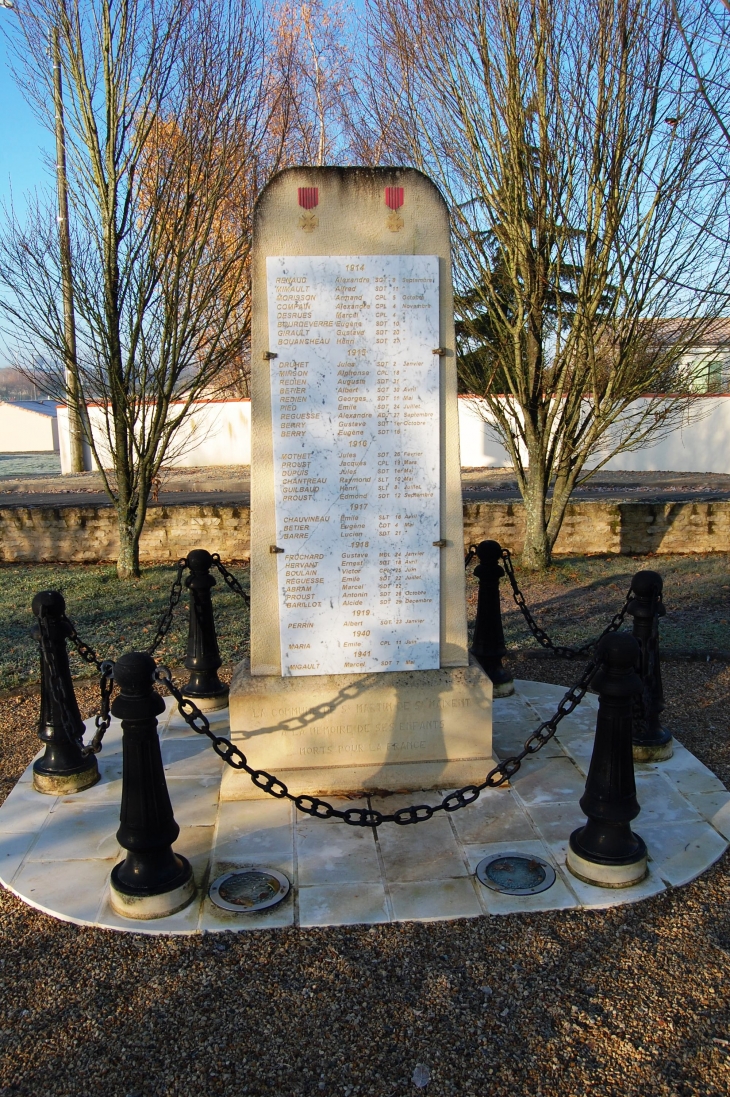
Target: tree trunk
128, 558
536, 553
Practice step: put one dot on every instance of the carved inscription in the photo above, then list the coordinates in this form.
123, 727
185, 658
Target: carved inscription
355, 409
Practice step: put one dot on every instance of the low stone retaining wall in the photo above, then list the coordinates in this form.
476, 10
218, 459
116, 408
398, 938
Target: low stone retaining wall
631, 528
86, 534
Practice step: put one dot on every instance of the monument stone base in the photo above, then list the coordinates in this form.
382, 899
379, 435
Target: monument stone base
344, 734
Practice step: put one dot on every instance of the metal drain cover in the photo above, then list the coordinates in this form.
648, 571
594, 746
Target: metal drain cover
515, 873
247, 890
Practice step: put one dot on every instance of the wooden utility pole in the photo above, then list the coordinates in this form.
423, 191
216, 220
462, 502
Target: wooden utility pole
76, 438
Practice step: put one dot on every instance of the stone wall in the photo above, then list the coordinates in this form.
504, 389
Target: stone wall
629, 528
87, 534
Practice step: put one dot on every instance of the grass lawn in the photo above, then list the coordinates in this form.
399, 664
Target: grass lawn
577, 597
110, 615
573, 602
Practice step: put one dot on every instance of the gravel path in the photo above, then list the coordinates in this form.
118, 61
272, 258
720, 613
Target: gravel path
634, 1001
39, 485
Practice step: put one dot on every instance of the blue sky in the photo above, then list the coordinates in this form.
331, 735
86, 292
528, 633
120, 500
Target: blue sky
22, 139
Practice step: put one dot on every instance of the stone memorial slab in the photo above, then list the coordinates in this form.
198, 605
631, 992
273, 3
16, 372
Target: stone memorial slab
359, 677
355, 423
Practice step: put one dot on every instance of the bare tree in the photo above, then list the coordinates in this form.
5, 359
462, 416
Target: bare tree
572, 152
173, 110
319, 35
705, 31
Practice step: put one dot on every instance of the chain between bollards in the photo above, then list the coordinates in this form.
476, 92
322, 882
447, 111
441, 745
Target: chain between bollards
166, 620
561, 651
368, 817
230, 579
203, 657
104, 716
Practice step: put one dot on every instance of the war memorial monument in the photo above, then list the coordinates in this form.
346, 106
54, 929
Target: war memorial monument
360, 686
359, 675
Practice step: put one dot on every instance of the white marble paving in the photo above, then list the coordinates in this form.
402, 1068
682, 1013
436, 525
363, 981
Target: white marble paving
14, 848
430, 852
77, 831
497, 816
595, 898
435, 900
555, 823
680, 851
715, 808
56, 853
662, 802
343, 904
335, 855
548, 780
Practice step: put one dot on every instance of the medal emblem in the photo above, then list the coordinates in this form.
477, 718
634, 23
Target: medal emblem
308, 200
394, 200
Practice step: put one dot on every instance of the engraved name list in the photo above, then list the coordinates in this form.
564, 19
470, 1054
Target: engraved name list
355, 411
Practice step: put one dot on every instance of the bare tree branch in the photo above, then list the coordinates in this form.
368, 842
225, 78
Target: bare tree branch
577, 210
177, 113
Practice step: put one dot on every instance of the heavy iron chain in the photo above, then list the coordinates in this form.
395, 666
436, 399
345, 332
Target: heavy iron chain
230, 579
62, 702
87, 653
104, 715
369, 817
559, 650
166, 620
106, 668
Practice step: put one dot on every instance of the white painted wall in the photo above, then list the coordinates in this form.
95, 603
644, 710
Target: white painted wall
220, 434
215, 433
25, 429
480, 447
701, 444
64, 443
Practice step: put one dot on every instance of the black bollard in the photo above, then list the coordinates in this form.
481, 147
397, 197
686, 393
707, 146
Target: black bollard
605, 851
203, 658
488, 646
63, 769
652, 742
152, 881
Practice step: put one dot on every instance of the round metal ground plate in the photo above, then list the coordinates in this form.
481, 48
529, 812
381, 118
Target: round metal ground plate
248, 890
515, 873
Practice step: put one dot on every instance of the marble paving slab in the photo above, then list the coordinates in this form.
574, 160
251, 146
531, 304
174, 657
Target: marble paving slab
56, 853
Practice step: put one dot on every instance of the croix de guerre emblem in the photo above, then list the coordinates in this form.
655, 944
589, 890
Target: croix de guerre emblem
308, 200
